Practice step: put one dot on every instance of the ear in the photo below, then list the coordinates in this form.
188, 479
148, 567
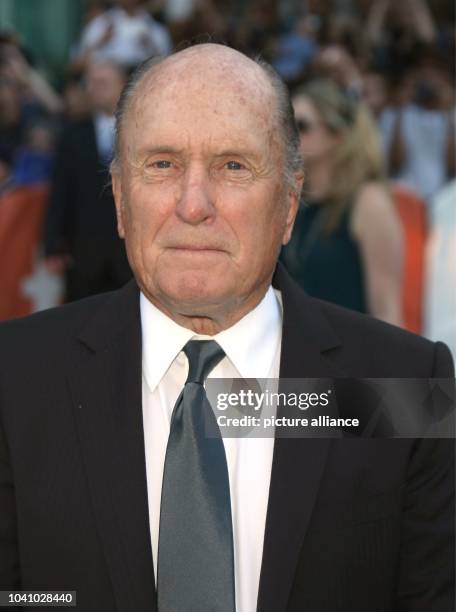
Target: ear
293, 199
119, 200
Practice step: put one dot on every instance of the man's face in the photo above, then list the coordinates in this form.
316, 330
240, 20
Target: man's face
104, 85
201, 199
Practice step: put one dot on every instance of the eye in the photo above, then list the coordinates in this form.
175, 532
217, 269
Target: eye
161, 164
234, 165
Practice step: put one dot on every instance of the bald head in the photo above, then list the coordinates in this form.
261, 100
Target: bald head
212, 63
226, 74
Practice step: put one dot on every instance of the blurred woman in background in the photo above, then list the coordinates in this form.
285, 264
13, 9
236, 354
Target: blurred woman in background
346, 246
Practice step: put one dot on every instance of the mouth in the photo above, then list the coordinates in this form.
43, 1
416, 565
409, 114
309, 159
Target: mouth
196, 249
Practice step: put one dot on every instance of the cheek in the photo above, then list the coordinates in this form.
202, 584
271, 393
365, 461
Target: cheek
152, 204
144, 216
259, 223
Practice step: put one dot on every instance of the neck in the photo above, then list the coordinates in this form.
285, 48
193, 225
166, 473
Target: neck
215, 318
320, 175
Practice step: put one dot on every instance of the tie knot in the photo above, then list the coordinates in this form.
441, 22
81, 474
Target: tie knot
203, 356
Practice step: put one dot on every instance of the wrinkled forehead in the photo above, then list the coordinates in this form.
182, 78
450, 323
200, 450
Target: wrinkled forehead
200, 86
209, 67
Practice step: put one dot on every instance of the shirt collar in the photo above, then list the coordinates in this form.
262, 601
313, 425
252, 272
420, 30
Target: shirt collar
250, 344
104, 120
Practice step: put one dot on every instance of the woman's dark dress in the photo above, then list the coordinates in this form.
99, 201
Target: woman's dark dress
326, 266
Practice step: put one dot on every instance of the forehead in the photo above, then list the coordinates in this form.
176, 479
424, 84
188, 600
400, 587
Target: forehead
205, 102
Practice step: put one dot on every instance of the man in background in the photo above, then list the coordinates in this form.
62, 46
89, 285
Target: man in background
126, 34
80, 235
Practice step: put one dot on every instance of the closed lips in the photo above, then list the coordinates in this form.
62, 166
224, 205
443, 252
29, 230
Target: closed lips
195, 248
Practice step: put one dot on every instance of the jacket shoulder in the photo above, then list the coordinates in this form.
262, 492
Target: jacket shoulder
385, 350
48, 328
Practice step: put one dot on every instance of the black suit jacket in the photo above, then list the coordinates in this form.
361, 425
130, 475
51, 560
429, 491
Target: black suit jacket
81, 218
81, 204
353, 525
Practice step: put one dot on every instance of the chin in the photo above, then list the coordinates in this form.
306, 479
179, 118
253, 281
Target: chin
196, 287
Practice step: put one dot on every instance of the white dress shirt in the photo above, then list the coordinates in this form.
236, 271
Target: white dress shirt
104, 133
252, 349
133, 37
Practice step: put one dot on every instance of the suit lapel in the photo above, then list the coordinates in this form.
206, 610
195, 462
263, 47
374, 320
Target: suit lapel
298, 463
107, 399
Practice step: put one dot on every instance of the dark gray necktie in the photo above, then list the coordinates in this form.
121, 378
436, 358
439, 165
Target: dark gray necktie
195, 548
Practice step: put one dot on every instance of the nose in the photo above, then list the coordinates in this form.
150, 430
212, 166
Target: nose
195, 202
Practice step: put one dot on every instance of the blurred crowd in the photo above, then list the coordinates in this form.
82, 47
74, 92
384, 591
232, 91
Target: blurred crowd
373, 93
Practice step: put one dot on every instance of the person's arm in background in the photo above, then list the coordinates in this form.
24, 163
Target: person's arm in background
423, 22
415, 12
95, 35
43, 92
426, 563
376, 228
375, 21
33, 84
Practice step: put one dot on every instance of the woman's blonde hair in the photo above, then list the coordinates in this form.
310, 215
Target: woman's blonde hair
359, 156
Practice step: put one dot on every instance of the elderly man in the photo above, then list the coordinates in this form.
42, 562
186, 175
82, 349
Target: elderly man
108, 483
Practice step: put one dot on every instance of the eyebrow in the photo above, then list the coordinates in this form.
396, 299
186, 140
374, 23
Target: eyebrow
165, 149
248, 153
159, 149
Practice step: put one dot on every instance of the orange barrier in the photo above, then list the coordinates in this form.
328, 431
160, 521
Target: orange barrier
412, 212
21, 217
